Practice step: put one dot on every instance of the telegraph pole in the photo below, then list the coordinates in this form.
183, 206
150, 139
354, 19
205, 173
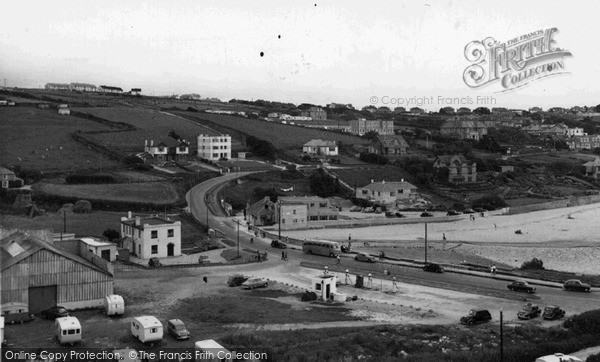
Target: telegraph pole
425, 243
238, 239
279, 224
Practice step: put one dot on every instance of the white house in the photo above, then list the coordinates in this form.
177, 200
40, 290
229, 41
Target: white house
576, 131
64, 109
103, 249
320, 147
214, 147
386, 192
151, 237
168, 149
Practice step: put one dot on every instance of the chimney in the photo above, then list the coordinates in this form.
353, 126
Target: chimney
401, 180
372, 180
129, 214
137, 221
383, 182
145, 143
151, 143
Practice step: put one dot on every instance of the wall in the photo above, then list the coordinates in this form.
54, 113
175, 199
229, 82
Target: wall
572, 201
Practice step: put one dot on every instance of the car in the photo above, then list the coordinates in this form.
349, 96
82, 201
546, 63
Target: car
576, 286
552, 312
236, 280
154, 262
255, 283
390, 214
177, 329
521, 286
278, 244
468, 211
479, 209
364, 257
529, 311
426, 214
452, 213
55, 312
433, 268
399, 214
476, 316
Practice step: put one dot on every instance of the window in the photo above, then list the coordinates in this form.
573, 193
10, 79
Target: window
154, 249
139, 233
71, 331
283, 221
295, 220
154, 234
322, 204
152, 330
215, 147
64, 333
314, 218
215, 155
170, 233
312, 204
364, 192
294, 212
161, 149
392, 193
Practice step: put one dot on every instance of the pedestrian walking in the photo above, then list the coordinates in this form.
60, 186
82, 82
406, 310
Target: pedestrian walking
493, 270
494, 226
349, 238
339, 260
258, 256
251, 240
444, 236
283, 255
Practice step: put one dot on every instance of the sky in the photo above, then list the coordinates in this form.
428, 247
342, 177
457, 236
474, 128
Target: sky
386, 53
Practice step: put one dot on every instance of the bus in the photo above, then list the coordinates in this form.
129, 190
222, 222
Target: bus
321, 247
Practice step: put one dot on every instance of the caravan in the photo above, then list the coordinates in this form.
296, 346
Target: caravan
114, 305
210, 350
68, 330
147, 329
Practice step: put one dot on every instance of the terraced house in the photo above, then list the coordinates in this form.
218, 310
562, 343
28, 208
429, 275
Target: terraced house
389, 145
584, 142
464, 128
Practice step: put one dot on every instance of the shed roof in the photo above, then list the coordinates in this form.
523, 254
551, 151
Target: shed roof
320, 143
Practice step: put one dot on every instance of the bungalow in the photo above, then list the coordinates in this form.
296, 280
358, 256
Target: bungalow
6, 176
389, 145
320, 147
151, 237
460, 169
262, 213
592, 168
386, 192
168, 150
64, 109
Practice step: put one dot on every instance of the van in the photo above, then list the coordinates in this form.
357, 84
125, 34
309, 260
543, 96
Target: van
558, 357
147, 329
210, 350
68, 330
114, 305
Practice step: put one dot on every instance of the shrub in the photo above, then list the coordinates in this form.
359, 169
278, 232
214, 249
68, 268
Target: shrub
89, 179
82, 207
584, 323
111, 234
458, 206
535, 264
374, 158
593, 358
142, 167
490, 202
132, 160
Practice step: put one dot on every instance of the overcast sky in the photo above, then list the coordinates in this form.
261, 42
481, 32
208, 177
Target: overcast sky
315, 52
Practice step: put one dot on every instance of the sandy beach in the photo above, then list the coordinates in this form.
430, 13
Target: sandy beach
566, 239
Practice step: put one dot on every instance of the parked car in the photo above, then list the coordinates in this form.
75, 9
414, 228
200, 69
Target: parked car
154, 262
177, 329
356, 209
426, 214
399, 214
521, 286
236, 280
479, 209
468, 211
390, 214
364, 257
576, 286
55, 312
433, 268
278, 244
529, 311
255, 283
452, 213
476, 316
558, 357
552, 312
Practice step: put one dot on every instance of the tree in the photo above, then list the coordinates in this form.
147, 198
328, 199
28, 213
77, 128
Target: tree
111, 234
370, 135
82, 207
482, 110
323, 185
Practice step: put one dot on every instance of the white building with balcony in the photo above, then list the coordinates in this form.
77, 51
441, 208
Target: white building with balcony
214, 147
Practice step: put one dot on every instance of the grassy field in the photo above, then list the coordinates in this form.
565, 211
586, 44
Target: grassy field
92, 224
150, 124
282, 136
156, 193
41, 139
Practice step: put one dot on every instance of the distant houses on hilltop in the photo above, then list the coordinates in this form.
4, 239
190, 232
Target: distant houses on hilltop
388, 145
362, 126
464, 128
89, 88
460, 170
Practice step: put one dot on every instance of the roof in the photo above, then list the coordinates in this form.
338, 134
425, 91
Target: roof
594, 163
392, 140
152, 221
94, 242
458, 122
68, 322
170, 142
320, 143
448, 159
299, 199
389, 186
5, 171
83, 85
259, 205
18, 246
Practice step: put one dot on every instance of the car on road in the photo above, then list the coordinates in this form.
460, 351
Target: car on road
468, 211
576, 286
433, 268
236, 280
364, 257
452, 213
552, 312
177, 329
278, 244
521, 286
255, 283
529, 311
426, 214
390, 214
479, 209
476, 316
55, 312
154, 262
399, 214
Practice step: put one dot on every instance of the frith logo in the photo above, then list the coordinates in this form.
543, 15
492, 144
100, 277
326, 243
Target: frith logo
516, 62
